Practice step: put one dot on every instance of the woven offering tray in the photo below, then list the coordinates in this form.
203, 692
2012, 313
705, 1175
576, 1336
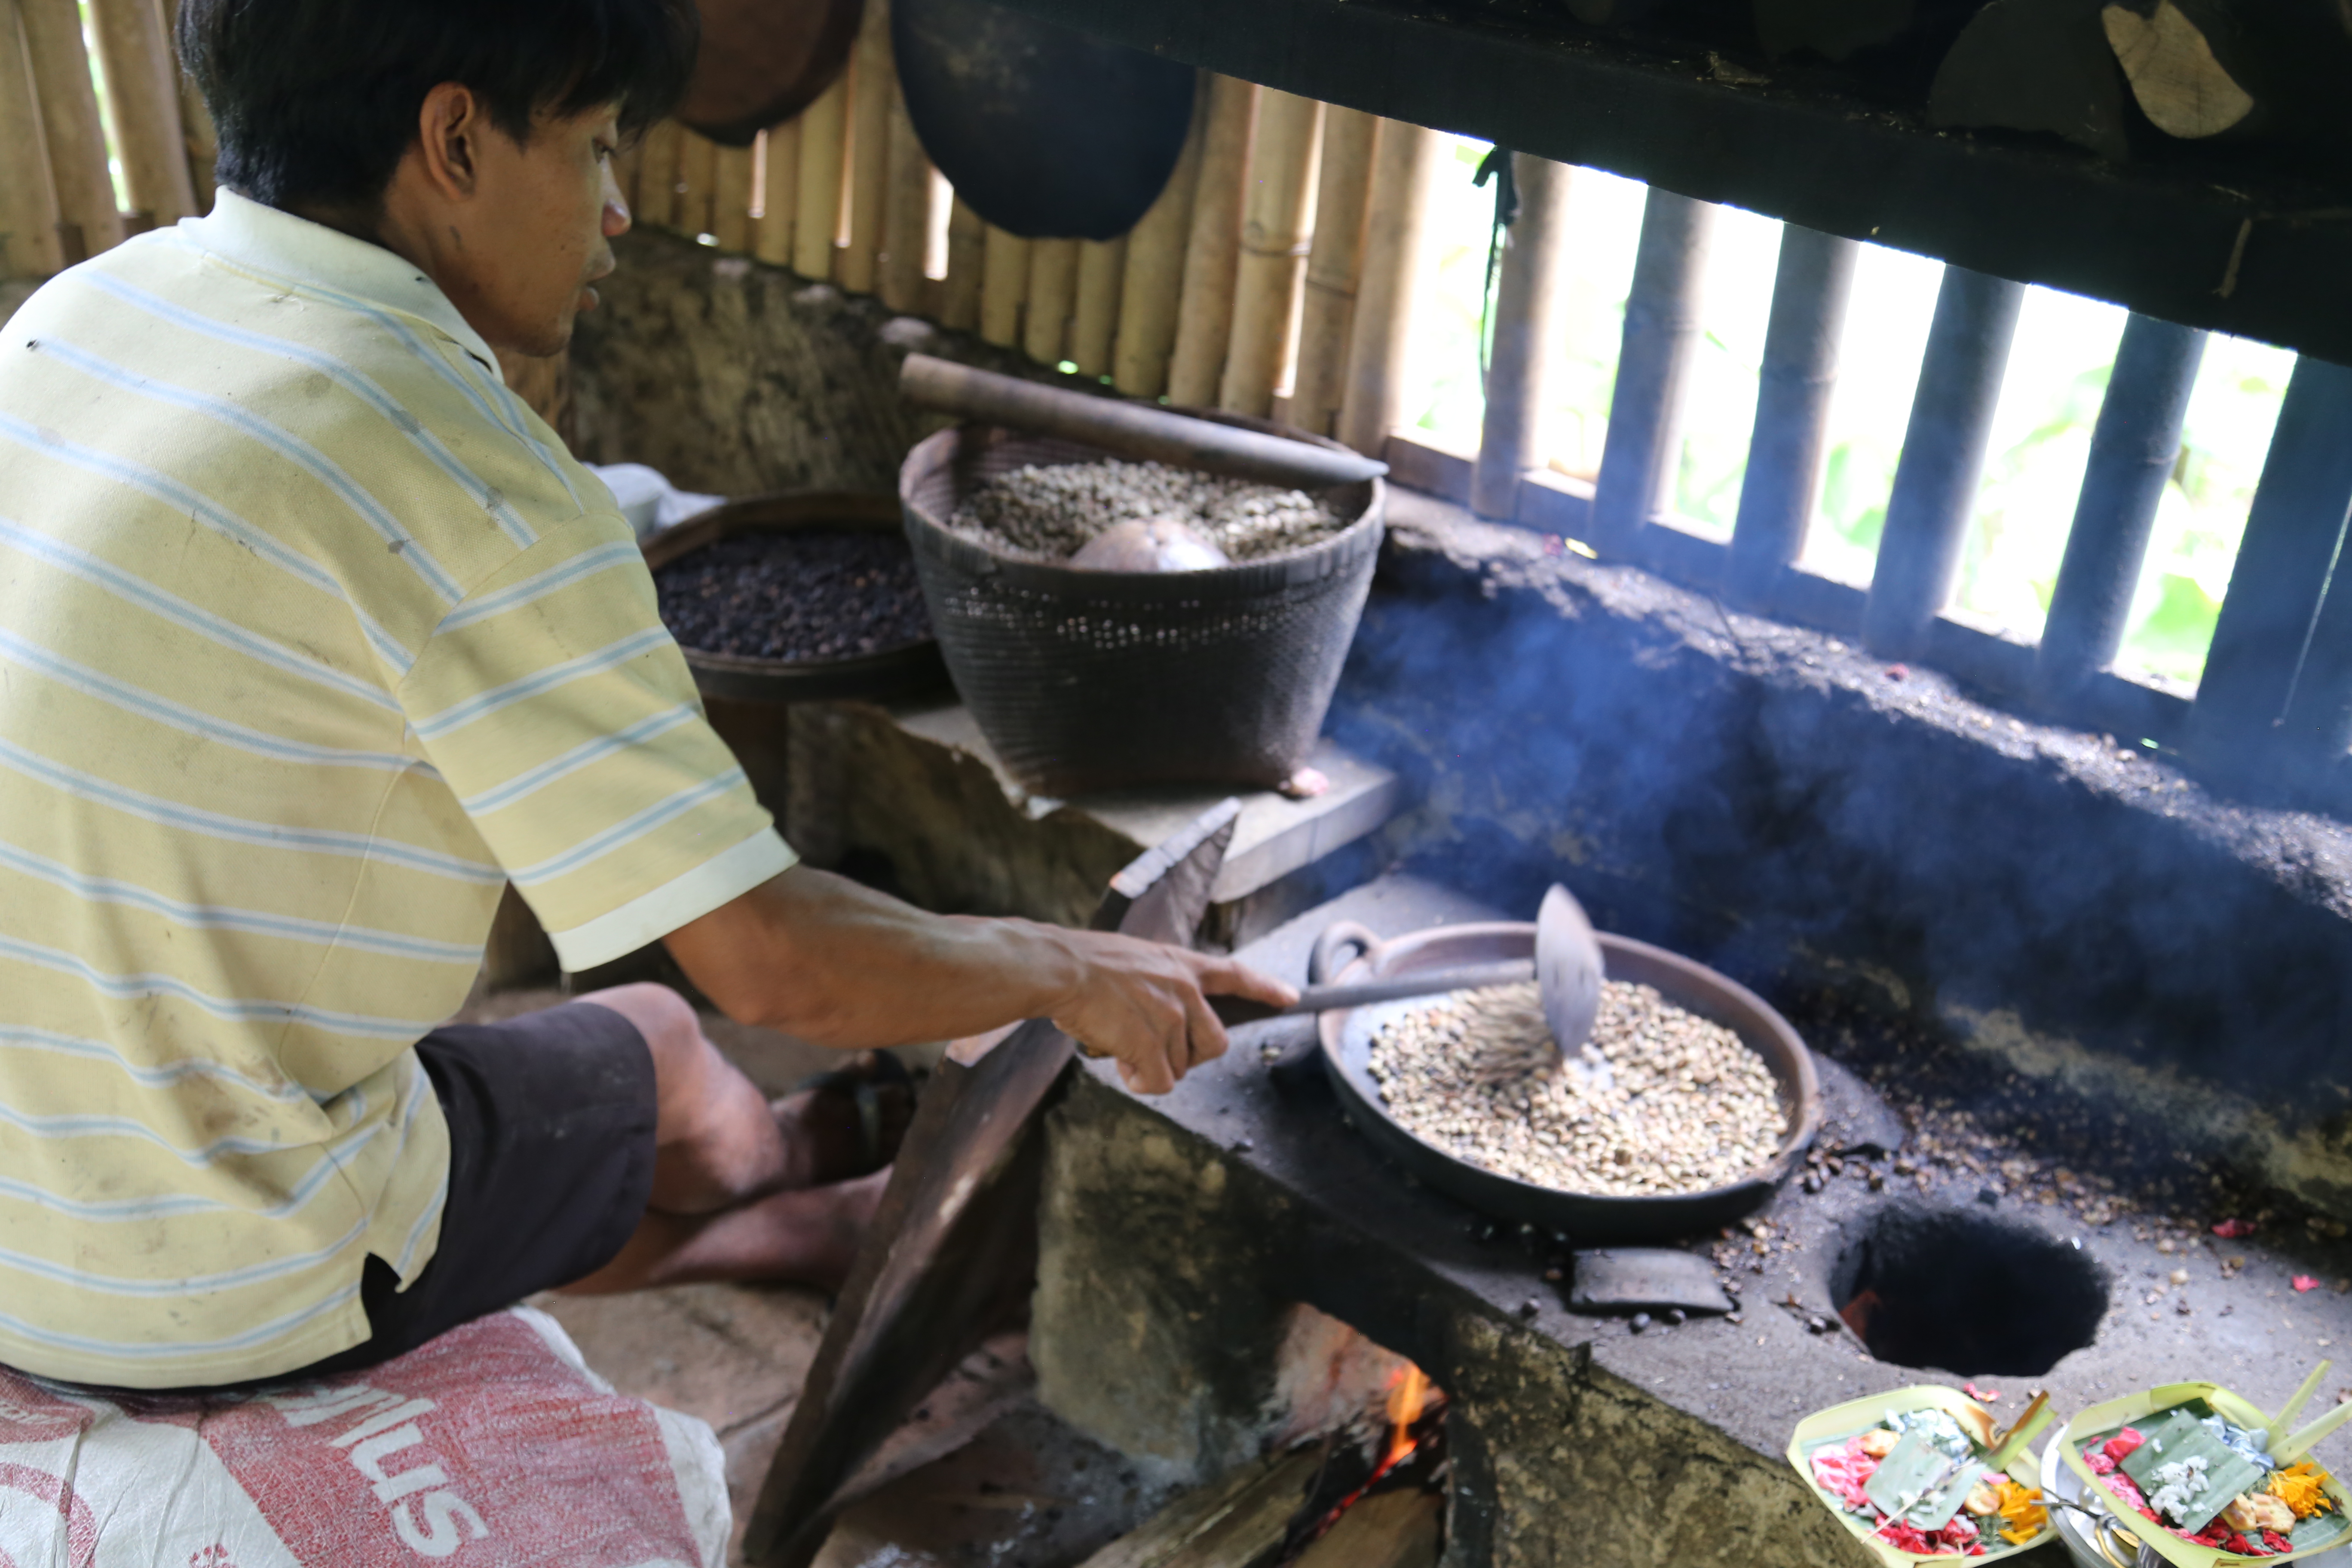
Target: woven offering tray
1827, 1450
2130, 1436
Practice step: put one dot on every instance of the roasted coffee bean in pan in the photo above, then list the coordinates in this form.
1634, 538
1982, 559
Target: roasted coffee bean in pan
796, 597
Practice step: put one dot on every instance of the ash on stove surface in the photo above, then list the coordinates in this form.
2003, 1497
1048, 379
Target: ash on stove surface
797, 596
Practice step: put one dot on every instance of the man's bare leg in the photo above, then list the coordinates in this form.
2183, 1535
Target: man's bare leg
806, 1238
721, 1159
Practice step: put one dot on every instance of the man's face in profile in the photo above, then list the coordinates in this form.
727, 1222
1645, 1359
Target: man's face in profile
538, 233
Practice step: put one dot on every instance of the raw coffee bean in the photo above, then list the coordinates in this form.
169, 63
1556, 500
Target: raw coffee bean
795, 597
1049, 512
1689, 1107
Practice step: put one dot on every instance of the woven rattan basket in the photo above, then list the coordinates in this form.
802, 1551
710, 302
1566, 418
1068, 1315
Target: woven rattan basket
1093, 680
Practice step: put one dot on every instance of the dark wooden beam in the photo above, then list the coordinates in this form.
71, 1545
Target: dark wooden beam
2219, 245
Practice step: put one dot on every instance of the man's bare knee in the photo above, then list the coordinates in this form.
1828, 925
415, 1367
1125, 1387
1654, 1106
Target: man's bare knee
672, 1032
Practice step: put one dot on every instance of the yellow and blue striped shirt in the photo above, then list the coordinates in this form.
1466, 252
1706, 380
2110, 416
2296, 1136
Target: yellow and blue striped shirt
312, 637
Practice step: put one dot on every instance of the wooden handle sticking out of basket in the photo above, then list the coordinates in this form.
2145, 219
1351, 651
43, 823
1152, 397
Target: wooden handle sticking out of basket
1130, 429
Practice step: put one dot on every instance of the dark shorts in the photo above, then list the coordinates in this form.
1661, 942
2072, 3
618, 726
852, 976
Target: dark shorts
550, 1161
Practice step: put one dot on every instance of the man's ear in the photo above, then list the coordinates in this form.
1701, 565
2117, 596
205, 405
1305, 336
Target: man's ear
449, 127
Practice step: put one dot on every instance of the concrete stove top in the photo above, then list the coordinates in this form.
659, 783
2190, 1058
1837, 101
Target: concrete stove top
1358, 1238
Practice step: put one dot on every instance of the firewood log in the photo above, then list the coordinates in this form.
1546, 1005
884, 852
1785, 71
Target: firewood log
2036, 65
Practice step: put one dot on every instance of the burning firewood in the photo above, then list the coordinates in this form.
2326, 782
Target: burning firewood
1388, 1529
1239, 1520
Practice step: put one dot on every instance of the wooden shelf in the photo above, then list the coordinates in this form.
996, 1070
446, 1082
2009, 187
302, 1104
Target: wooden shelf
2220, 246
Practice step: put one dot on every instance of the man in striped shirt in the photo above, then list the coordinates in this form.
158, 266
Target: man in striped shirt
313, 638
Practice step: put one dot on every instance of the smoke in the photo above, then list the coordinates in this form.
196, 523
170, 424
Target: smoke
1775, 806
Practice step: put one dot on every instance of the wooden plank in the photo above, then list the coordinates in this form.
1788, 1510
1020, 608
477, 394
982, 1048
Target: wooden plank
89, 220
1511, 437
780, 194
1342, 193
874, 88
816, 222
967, 279
1404, 162
730, 199
1003, 287
1204, 316
909, 202
28, 201
142, 86
1278, 216
1154, 280
1102, 265
1397, 1528
1052, 299
952, 1247
2259, 253
1238, 1521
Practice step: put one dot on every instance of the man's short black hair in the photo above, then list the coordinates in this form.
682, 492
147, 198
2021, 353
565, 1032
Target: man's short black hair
316, 101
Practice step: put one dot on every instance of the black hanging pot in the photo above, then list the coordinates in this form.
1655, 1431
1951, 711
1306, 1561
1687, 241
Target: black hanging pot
1046, 133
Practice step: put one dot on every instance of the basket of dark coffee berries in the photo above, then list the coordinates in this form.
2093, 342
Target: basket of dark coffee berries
795, 598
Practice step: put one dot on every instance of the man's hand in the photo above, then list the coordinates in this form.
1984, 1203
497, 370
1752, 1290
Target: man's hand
1143, 1005
821, 957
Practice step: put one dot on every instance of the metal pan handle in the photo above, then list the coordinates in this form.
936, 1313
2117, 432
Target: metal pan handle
1340, 941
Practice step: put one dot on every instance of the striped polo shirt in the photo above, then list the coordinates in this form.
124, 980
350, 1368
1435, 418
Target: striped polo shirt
311, 637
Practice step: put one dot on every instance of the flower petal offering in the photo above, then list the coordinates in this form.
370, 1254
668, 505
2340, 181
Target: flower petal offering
2205, 1479
1922, 1473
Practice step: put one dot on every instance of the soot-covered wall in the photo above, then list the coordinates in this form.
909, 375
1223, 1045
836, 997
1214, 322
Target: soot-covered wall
1795, 811
1752, 793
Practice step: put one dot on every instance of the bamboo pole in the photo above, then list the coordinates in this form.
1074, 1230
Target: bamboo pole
779, 194
87, 220
816, 224
960, 295
198, 138
28, 202
1278, 220
627, 165
1005, 285
1052, 299
1102, 265
1154, 279
1204, 312
730, 200
1511, 439
658, 174
1343, 193
697, 183
907, 210
141, 84
1404, 164
875, 86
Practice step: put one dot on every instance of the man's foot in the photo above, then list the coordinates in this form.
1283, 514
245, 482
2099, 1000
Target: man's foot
844, 1123
808, 1237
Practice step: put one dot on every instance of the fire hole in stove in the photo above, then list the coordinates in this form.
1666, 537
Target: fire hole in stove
1965, 1292
1379, 1491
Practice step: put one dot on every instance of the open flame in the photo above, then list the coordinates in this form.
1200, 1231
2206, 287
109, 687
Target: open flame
1407, 1393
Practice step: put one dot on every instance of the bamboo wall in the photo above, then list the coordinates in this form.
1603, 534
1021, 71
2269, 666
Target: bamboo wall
58, 200
1236, 290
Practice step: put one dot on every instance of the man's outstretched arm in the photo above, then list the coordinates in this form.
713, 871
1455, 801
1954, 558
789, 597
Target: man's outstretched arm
819, 956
